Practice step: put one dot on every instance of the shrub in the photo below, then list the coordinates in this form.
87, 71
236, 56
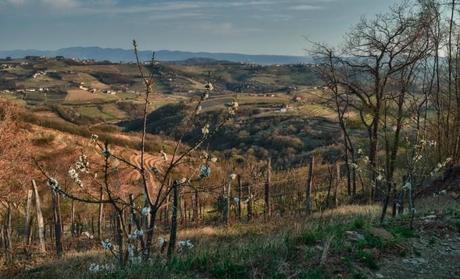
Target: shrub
43, 139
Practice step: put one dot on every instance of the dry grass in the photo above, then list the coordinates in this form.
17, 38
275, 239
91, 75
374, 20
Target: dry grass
281, 248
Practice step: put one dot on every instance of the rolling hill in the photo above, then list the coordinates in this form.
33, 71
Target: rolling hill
126, 55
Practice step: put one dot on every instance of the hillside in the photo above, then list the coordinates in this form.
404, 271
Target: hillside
286, 97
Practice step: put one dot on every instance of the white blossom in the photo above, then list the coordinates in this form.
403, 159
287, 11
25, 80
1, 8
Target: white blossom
136, 234
208, 86
82, 164
139, 233
95, 268
233, 176
53, 184
106, 244
145, 211
165, 156
366, 159
205, 129
75, 176
185, 244
94, 138
407, 186
88, 235
130, 250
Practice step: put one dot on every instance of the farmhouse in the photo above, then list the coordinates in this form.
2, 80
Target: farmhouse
297, 98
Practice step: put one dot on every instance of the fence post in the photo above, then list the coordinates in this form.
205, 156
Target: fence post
73, 227
173, 232
100, 218
249, 209
239, 197
267, 209
57, 224
308, 205
196, 216
338, 180
228, 204
28, 218
8, 235
40, 223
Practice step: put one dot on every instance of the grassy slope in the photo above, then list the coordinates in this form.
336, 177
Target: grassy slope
283, 248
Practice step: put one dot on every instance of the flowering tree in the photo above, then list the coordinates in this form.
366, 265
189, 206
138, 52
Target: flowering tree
157, 182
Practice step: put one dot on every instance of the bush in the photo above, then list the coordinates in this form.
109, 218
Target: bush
43, 139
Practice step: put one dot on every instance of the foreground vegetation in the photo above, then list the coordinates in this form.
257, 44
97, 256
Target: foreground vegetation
344, 242
303, 188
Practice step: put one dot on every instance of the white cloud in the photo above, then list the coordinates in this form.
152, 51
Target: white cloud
175, 15
60, 4
16, 2
304, 7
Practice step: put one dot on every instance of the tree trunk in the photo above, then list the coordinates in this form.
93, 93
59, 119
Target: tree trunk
40, 222
7, 236
173, 231
239, 197
337, 184
28, 218
249, 206
228, 202
57, 224
308, 205
119, 238
330, 178
135, 220
100, 218
267, 209
73, 228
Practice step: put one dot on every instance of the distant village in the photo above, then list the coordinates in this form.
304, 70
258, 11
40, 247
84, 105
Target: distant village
250, 87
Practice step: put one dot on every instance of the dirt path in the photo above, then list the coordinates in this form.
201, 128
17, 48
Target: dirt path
434, 253
440, 259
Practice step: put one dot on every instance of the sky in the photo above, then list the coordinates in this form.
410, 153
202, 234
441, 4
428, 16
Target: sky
251, 26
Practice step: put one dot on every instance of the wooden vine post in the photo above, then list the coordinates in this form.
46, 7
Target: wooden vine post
267, 209
308, 202
57, 224
40, 222
173, 231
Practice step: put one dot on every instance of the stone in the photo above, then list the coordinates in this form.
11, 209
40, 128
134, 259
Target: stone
381, 233
354, 236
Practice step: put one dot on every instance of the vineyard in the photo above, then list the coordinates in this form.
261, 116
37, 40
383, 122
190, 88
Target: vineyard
345, 168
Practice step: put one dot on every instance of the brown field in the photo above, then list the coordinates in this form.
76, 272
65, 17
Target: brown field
80, 95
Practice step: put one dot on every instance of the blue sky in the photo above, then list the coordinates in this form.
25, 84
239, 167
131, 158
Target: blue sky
251, 26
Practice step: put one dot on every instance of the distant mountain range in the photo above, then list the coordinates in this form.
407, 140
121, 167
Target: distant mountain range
124, 55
